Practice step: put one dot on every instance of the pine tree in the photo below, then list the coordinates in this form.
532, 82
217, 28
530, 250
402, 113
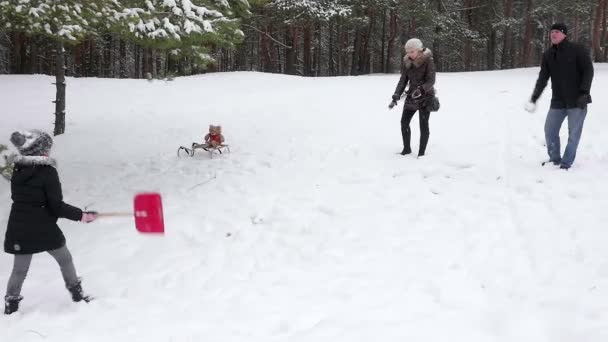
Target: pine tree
129, 38
64, 22
302, 19
6, 170
4, 52
185, 28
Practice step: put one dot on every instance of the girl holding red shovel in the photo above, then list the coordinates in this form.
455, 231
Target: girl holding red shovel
32, 224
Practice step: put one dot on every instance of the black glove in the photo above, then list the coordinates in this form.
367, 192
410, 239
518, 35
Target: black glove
583, 100
392, 105
396, 97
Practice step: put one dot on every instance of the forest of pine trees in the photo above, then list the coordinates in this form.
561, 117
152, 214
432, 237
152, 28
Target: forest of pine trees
165, 38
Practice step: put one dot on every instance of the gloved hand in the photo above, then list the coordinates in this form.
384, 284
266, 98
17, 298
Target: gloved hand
89, 216
396, 97
417, 93
530, 107
583, 100
392, 105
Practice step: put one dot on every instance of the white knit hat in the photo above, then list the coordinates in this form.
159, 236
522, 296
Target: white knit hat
414, 44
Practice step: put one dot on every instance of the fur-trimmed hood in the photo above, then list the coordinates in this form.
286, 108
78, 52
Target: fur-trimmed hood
34, 160
426, 55
24, 167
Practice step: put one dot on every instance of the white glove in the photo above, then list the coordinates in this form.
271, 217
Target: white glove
530, 107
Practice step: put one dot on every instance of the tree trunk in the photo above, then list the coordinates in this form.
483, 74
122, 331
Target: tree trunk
307, 49
507, 49
153, 63
331, 65
122, 60
79, 58
318, 50
148, 70
492, 50
107, 56
16, 62
113, 60
526, 55
576, 29
365, 59
412, 27
392, 35
468, 44
597, 49
171, 64
290, 52
136, 61
181, 66
89, 57
345, 42
383, 45
26, 58
605, 31
437, 53
339, 43
60, 95
266, 50
354, 67
34, 51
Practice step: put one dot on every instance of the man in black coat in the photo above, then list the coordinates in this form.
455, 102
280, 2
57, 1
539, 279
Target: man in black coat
32, 224
570, 68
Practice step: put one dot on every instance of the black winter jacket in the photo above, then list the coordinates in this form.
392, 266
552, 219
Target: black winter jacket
571, 71
419, 74
37, 204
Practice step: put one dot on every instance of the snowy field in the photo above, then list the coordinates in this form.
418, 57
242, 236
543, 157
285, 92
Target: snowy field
313, 228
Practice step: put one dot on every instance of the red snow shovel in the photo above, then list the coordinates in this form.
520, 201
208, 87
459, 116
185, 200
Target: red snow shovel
148, 212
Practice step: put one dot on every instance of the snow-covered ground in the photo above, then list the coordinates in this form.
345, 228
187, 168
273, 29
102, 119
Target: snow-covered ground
313, 228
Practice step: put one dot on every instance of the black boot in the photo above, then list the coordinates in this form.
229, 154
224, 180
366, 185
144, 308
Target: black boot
77, 293
424, 132
11, 304
406, 136
424, 140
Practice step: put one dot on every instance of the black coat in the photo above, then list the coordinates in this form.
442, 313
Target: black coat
570, 68
37, 204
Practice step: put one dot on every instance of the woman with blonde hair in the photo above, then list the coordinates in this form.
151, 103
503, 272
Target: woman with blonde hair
418, 70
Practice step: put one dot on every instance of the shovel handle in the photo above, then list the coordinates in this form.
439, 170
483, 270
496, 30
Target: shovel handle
115, 214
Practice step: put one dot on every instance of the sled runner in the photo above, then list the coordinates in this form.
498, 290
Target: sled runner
211, 149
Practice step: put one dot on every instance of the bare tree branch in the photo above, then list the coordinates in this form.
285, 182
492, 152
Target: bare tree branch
269, 36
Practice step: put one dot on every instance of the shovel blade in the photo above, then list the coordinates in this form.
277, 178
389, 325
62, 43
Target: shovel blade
148, 212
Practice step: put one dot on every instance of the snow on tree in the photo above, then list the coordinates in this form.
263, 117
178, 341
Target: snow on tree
185, 26
64, 21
